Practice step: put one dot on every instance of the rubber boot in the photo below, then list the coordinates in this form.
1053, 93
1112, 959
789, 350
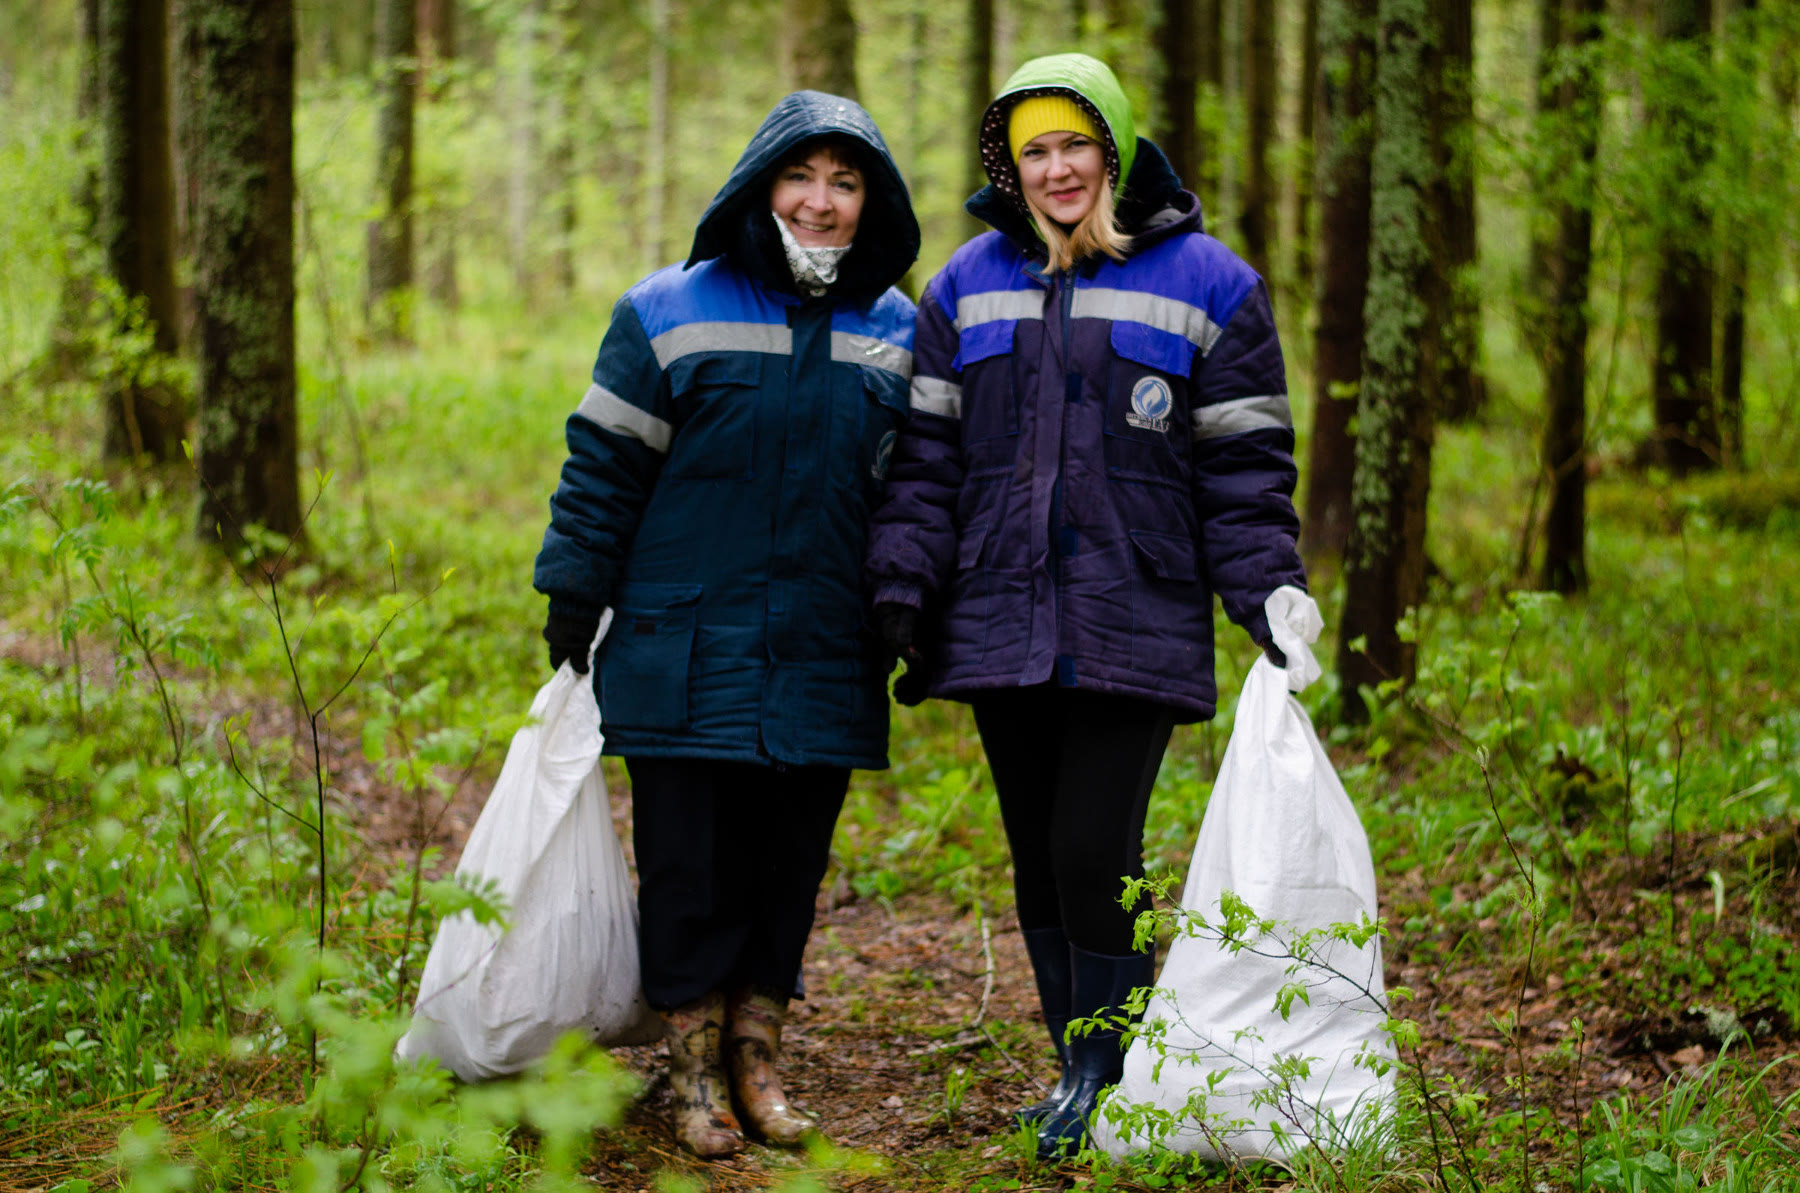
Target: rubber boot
703, 1120
1048, 949
1099, 986
754, 1017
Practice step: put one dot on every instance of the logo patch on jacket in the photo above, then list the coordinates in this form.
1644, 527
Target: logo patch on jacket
1151, 402
883, 454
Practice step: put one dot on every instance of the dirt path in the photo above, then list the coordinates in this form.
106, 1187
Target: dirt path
920, 1033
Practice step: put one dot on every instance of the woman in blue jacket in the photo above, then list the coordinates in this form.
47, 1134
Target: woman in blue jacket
1100, 442
722, 467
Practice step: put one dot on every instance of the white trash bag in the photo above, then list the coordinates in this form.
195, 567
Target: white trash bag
491, 1002
1279, 833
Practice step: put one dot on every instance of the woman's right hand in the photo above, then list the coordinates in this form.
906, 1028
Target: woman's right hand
570, 638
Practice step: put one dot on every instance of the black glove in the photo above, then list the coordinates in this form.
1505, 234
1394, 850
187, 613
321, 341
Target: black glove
1274, 655
569, 636
897, 624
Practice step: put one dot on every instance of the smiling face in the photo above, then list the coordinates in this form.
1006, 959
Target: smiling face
819, 198
1061, 173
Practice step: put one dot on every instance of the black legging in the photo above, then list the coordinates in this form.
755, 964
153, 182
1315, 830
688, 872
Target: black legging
729, 859
1074, 770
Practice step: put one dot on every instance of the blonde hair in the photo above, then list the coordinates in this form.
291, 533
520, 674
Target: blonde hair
1096, 233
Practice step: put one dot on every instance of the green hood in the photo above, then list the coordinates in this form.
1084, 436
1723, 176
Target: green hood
1088, 79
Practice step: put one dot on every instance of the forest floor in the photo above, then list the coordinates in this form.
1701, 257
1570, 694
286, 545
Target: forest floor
920, 1032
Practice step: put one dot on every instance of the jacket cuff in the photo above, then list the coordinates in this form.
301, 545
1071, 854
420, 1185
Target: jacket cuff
898, 592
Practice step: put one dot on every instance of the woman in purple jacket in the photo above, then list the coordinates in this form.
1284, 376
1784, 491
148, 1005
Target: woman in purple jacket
1099, 443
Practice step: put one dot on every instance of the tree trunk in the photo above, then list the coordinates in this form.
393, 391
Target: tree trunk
522, 126
146, 416
657, 168
565, 68
1385, 563
243, 141
1256, 221
1578, 98
1464, 388
1305, 173
437, 56
1734, 266
821, 46
1345, 127
1179, 86
1209, 134
978, 89
391, 232
1685, 410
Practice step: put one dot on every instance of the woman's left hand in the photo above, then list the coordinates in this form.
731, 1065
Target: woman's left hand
1294, 625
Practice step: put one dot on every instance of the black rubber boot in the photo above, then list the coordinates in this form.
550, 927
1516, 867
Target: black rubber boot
1099, 986
1049, 952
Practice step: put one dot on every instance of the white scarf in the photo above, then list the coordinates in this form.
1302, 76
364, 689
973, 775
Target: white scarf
814, 269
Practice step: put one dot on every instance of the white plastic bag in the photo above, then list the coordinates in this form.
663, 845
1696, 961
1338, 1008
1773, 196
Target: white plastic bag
491, 1003
1282, 835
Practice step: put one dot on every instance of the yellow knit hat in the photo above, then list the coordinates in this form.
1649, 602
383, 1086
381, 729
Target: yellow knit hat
1039, 114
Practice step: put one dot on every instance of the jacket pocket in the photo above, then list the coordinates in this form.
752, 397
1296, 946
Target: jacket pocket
990, 405
1148, 437
644, 672
1171, 612
718, 399
968, 547
1165, 556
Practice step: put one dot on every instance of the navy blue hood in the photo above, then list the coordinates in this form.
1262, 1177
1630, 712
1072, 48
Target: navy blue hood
737, 223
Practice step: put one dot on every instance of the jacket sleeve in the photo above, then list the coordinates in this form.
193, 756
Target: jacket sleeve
1244, 470
912, 536
618, 438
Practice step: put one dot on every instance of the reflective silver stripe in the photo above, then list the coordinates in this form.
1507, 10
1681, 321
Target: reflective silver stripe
721, 337
1134, 306
991, 305
1240, 415
867, 350
607, 410
934, 395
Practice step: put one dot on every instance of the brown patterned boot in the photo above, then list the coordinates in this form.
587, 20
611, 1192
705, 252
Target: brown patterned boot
753, 1041
703, 1120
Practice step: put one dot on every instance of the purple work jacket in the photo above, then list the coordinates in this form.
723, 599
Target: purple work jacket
1089, 458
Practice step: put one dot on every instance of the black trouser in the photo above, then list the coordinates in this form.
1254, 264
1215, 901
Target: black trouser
729, 860
1074, 770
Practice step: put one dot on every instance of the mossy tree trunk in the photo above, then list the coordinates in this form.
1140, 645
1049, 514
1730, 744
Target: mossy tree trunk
1402, 358
1178, 86
658, 167
1304, 173
437, 57
391, 232
978, 89
1682, 383
1577, 101
1209, 134
146, 415
1464, 387
1256, 219
820, 41
242, 139
1344, 131
1734, 266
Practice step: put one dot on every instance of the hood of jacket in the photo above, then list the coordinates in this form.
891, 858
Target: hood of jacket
1091, 84
1152, 205
737, 223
